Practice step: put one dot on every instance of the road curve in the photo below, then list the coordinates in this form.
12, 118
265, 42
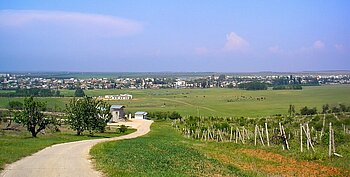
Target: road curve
67, 159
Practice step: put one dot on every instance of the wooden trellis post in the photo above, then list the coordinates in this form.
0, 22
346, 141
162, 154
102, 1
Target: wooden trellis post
239, 135
307, 135
330, 140
301, 138
236, 137
344, 129
331, 150
308, 138
284, 138
231, 135
219, 131
323, 126
256, 133
267, 135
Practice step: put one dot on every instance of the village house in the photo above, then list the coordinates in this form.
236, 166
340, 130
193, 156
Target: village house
118, 113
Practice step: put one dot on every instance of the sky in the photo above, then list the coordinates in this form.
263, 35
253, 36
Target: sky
177, 36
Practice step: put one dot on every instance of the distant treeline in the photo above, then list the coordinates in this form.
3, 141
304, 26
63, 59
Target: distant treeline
253, 86
287, 87
36, 92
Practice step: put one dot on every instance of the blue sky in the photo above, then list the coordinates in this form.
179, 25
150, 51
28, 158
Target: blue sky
198, 35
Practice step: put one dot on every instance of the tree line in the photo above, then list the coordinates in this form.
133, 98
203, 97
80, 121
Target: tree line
253, 86
35, 92
325, 109
287, 87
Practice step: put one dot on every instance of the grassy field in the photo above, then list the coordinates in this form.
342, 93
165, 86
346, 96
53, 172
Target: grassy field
164, 152
217, 102
17, 144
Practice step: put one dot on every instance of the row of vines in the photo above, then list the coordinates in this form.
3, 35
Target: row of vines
312, 133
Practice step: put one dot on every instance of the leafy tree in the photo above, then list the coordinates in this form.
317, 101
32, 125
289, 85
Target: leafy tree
15, 105
88, 114
32, 116
79, 92
325, 108
291, 110
306, 111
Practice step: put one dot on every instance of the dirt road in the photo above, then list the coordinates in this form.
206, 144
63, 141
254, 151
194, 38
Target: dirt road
67, 159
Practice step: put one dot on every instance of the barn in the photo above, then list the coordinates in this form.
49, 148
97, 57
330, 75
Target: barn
141, 115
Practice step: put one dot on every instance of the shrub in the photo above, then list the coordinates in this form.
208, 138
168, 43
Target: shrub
122, 129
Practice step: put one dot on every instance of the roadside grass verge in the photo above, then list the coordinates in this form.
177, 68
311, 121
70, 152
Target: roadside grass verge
162, 152
16, 145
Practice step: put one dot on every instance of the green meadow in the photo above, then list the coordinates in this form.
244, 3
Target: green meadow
215, 101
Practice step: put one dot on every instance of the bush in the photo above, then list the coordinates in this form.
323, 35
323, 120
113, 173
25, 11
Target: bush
306, 111
122, 129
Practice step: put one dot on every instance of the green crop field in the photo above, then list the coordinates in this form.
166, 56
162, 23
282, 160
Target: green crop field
216, 102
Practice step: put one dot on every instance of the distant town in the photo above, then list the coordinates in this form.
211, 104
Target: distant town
13, 81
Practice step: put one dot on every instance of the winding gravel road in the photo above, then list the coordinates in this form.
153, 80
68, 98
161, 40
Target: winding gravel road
67, 159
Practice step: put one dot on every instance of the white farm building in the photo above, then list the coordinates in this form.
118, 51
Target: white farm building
118, 97
141, 115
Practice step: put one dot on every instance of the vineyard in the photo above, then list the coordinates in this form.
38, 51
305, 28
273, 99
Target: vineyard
316, 136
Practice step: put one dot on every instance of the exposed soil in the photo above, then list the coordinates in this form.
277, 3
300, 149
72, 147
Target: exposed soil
277, 165
285, 166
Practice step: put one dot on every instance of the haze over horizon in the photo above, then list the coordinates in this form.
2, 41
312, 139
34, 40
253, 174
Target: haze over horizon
175, 36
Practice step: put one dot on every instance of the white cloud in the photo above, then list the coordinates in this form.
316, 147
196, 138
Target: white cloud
235, 43
318, 44
71, 22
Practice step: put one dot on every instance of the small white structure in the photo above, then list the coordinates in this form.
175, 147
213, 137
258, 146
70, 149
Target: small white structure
141, 115
117, 97
118, 113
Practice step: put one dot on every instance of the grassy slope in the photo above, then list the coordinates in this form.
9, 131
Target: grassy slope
162, 152
213, 102
16, 145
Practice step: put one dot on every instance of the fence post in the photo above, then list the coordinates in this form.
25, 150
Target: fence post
330, 140
267, 135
